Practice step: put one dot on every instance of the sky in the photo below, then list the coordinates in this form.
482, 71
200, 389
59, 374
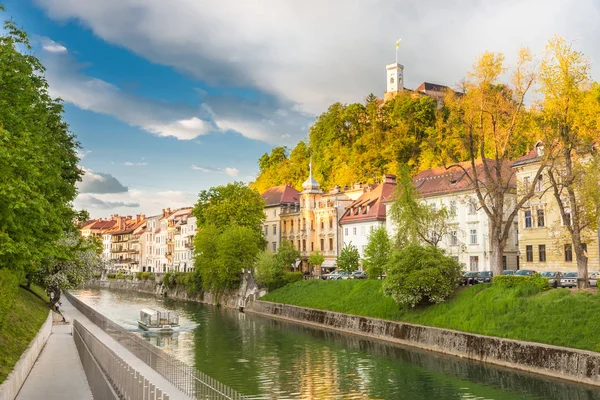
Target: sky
168, 98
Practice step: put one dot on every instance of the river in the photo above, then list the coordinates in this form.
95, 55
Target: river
267, 358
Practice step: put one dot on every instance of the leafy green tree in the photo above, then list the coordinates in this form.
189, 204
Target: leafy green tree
316, 259
268, 271
417, 221
206, 255
38, 161
237, 248
421, 275
377, 252
232, 204
286, 255
349, 258
75, 261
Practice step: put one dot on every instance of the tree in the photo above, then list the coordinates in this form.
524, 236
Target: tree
237, 248
491, 122
286, 255
316, 259
206, 255
268, 271
38, 161
417, 220
377, 252
571, 115
420, 275
349, 258
75, 261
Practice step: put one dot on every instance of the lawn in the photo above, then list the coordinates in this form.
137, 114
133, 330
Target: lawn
24, 321
557, 316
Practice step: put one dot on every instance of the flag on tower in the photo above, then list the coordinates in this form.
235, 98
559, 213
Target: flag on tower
398, 43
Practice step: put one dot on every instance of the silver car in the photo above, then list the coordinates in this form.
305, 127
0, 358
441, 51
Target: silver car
594, 278
553, 278
569, 279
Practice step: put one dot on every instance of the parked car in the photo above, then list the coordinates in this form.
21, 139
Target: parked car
593, 277
525, 272
340, 275
553, 278
569, 279
484, 276
508, 272
358, 275
469, 278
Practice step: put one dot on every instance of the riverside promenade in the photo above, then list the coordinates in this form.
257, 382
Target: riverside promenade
58, 373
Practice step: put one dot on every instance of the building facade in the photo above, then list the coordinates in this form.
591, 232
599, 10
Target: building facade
276, 200
544, 240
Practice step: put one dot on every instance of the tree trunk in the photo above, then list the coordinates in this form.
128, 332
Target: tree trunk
496, 256
54, 298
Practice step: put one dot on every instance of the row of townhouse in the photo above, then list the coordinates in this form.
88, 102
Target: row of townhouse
538, 239
159, 243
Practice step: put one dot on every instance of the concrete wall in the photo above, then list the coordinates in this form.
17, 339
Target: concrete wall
576, 365
11, 386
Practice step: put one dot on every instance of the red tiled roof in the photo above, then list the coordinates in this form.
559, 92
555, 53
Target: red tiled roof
527, 158
369, 206
437, 181
280, 195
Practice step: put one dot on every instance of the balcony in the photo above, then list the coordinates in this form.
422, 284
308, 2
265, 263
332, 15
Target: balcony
189, 245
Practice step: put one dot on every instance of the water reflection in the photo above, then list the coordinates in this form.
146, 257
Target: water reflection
268, 358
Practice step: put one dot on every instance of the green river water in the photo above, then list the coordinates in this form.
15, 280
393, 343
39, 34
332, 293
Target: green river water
267, 358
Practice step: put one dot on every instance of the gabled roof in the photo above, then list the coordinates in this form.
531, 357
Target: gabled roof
283, 194
431, 87
438, 181
532, 156
369, 206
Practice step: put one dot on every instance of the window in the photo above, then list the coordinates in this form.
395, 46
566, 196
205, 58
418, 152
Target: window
266, 230
503, 262
528, 219
274, 247
474, 263
473, 236
304, 224
542, 252
291, 226
568, 253
453, 207
539, 184
330, 244
362, 231
540, 218
330, 222
322, 244
346, 231
584, 246
529, 253
472, 207
299, 248
454, 238
392, 80
274, 229
354, 231
525, 183
567, 219
284, 226
322, 225
312, 246
303, 244
275, 212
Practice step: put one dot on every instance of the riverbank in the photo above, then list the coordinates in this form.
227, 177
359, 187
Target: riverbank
27, 315
557, 317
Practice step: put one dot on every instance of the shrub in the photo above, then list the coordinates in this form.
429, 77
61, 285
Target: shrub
418, 275
510, 281
151, 277
130, 277
97, 275
111, 276
9, 287
138, 275
169, 279
145, 275
120, 275
269, 272
291, 277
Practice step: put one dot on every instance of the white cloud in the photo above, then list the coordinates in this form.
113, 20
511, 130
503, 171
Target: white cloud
313, 53
87, 201
135, 164
82, 153
98, 183
227, 170
51, 46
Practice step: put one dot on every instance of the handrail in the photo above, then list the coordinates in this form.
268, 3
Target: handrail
185, 377
108, 375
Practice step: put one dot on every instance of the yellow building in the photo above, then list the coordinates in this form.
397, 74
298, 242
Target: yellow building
544, 241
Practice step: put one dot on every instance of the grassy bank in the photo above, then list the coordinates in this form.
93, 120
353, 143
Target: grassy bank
556, 317
25, 319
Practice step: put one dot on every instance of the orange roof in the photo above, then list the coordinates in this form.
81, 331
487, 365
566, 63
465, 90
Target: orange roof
280, 195
369, 206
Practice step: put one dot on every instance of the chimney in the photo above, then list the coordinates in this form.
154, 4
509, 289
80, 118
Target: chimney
357, 185
143, 216
168, 211
389, 178
138, 218
121, 223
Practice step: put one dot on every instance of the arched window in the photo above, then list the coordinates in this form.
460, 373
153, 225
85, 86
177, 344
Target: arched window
392, 79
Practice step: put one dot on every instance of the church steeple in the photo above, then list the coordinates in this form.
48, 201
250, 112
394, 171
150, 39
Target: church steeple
311, 185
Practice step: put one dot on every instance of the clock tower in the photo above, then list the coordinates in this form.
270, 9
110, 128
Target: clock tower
395, 80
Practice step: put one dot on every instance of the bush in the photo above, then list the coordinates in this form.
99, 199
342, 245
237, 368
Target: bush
151, 277
120, 275
510, 281
269, 272
97, 275
138, 275
145, 275
130, 277
9, 286
111, 276
291, 277
419, 275
169, 279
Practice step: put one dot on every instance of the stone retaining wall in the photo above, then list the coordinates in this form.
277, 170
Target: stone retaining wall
11, 386
561, 362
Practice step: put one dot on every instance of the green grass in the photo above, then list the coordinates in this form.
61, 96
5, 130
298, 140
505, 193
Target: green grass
24, 321
556, 317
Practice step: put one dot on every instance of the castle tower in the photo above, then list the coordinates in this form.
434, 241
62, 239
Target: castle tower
395, 80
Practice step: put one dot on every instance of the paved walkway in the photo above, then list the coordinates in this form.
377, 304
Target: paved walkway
57, 373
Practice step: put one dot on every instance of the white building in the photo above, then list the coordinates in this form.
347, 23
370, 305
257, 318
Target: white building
469, 239
183, 240
277, 199
366, 213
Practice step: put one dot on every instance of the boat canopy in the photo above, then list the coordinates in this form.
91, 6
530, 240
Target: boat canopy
158, 317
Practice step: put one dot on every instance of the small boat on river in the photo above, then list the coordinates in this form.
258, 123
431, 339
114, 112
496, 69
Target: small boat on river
158, 320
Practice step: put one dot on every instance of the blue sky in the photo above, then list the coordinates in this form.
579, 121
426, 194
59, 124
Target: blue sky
171, 97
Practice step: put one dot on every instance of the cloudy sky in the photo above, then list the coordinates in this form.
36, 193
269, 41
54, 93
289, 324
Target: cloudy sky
171, 97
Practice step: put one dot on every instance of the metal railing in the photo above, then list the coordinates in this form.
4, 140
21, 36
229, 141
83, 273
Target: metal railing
108, 375
185, 377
